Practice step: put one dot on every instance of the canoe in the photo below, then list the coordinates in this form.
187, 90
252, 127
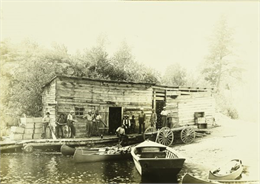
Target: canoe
230, 171
101, 154
155, 160
191, 179
67, 150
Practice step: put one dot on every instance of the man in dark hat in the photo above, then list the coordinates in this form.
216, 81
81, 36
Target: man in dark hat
126, 122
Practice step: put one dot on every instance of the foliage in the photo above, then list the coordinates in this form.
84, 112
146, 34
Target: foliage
221, 67
175, 75
26, 67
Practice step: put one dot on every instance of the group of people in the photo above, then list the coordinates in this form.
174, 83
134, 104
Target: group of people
94, 122
60, 123
128, 126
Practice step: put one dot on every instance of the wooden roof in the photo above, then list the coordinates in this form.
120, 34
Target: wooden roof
154, 85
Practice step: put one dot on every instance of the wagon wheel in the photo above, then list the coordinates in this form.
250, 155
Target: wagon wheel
187, 135
150, 133
165, 136
66, 131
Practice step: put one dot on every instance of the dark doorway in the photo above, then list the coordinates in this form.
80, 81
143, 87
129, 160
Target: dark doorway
114, 119
159, 107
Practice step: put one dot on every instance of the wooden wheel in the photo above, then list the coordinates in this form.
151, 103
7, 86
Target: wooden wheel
165, 136
187, 135
66, 131
150, 134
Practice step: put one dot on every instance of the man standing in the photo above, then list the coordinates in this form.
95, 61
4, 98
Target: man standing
141, 119
89, 117
153, 119
46, 122
71, 121
97, 120
164, 114
126, 123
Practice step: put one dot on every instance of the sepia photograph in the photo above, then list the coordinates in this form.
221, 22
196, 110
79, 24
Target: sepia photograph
129, 91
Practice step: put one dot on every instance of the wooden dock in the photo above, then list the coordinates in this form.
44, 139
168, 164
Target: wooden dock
30, 145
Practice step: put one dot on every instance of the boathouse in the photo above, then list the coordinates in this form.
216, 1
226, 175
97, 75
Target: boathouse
115, 98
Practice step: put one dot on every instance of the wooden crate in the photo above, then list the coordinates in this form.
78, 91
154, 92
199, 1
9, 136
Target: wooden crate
37, 136
37, 120
201, 120
27, 136
14, 136
38, 130
28, 131
29, 125
17, 130
38, 125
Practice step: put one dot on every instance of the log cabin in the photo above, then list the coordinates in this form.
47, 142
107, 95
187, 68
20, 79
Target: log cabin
113, 99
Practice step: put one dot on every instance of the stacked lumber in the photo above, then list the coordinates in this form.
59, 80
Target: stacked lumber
16, 133
32, 129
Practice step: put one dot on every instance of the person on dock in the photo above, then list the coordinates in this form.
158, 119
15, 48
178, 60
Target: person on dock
46, 122
132, 126
71, 121
97, 120
126, 122
141, 119
153, 119
61, 122
164, 114
89, 117
120, 132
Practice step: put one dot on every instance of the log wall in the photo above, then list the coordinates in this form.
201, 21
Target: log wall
88, 95
49, 100
63, 94
183, 107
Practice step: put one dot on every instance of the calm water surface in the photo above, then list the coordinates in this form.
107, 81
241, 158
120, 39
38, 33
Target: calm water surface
56, 168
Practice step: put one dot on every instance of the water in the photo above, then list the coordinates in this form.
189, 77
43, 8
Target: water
56, 168
42, 168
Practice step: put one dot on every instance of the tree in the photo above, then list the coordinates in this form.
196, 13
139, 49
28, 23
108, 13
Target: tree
175, 75
221, 66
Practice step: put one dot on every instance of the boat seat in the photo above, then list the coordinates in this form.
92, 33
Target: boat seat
153, 155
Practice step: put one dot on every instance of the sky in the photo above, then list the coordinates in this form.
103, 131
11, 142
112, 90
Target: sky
159, 33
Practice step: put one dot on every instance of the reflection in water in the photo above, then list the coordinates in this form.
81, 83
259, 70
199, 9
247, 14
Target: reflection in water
42, 168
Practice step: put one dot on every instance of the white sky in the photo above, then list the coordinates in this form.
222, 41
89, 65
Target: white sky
159, 33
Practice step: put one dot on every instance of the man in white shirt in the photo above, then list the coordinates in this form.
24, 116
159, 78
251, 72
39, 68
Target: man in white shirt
120, 132
164, 114
46, 122
71, 121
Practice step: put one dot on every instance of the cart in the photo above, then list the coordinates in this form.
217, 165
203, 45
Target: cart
165, 135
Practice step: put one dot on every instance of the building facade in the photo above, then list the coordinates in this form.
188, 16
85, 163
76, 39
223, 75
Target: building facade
113, 99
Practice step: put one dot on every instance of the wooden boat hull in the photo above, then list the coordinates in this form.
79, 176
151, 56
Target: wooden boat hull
191, 179
67, 150
156, 166
82, 155
229, 176
160, 167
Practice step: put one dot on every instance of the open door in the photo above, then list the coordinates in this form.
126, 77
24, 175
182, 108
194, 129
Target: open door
159, 107
114, 119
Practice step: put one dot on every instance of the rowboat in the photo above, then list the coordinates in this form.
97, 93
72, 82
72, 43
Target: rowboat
191, 179
101, 154
230, 171
155, 160
67, 150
